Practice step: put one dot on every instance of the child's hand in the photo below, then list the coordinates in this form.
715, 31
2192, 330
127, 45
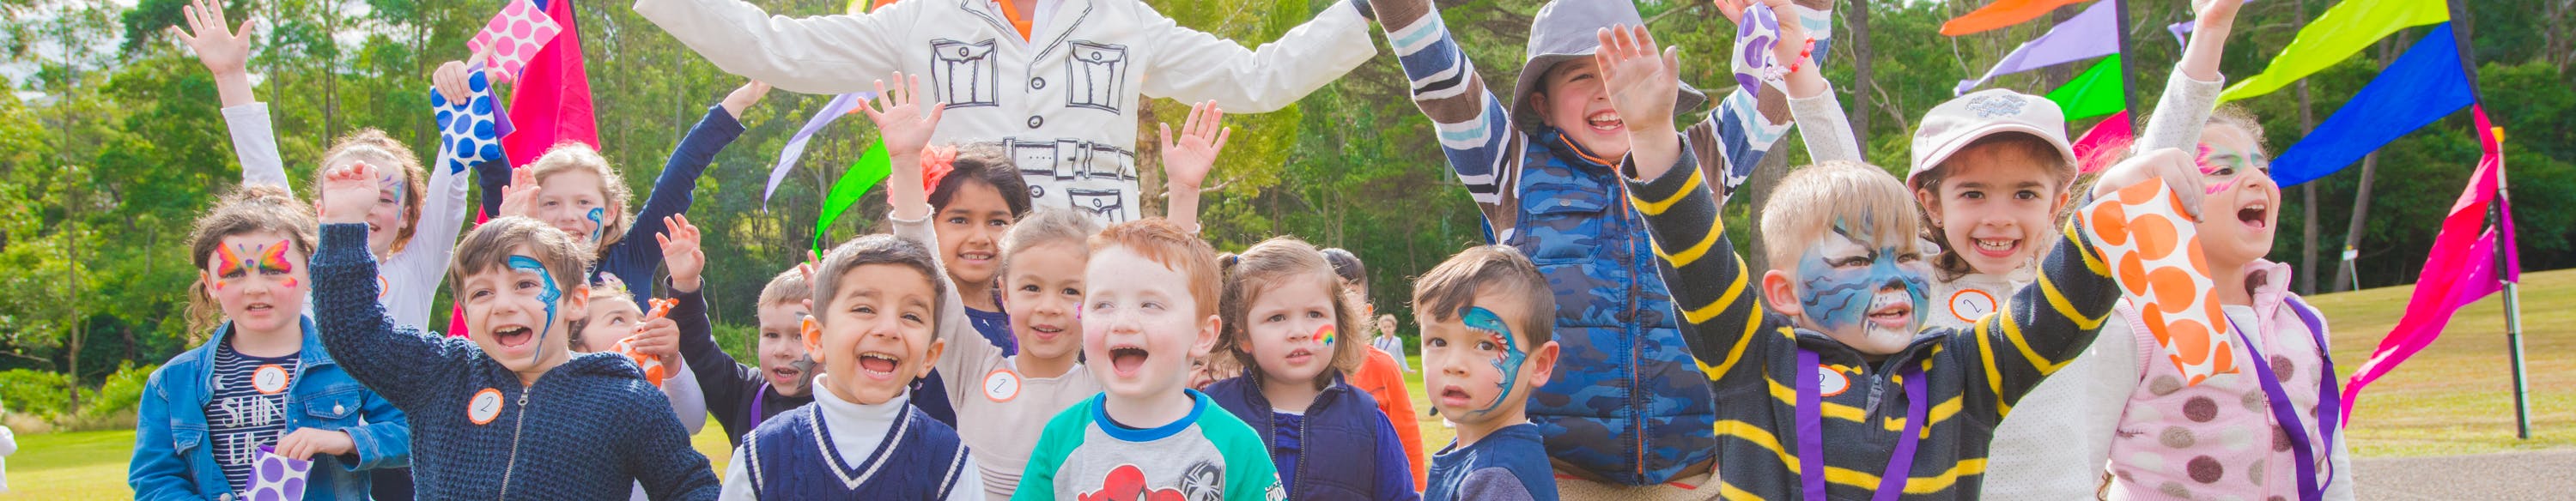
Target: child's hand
1792, 48
2176, 168
680, 253
348, 193
1187, 161
223, 53
521, 194
657, 335
1642, 83
901, 118
2215, 12
454, 79
744, 97
806, 269
307, 443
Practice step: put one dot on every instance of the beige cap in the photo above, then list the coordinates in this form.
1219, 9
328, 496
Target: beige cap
1956, 123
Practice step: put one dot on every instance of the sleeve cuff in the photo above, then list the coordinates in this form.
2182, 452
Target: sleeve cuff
343, 243
1683, 175
722, 120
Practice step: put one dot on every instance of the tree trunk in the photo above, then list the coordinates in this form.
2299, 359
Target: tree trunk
1858, 17
2344, 279
2307, 282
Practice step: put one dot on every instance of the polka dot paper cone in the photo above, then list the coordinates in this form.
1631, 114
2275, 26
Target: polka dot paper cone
276, 478
515, 35
468, 132
2154, 252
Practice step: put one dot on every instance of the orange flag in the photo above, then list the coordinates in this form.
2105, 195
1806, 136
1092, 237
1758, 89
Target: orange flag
2000, 14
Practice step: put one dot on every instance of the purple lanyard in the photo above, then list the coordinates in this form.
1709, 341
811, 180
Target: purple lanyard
2287, 416
757, 397
1811, 427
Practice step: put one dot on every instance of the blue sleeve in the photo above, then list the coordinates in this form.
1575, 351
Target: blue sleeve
658, 450
635, 257
157, 471
1394, 473
401, 364
491, 178
385, 441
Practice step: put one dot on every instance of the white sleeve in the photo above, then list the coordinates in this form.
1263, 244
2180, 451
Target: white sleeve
970, 482
811, 55
255, 145
1825, 127
1191, 65
2114, 376
737, 479
686, 401
962, 361
8, 442
2341, 488
2180, 113
422, 262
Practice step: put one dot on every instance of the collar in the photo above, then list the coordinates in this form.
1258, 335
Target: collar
1053, 20
1100, 419
2270, 283
1564, 146
843, 409
1832, 351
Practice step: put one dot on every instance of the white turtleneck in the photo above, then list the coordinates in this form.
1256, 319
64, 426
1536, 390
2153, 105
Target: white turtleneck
857, 431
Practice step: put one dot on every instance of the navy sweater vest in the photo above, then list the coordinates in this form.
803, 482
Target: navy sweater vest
792, 457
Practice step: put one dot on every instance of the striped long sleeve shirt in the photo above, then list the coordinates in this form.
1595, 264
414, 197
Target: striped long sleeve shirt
1973, 376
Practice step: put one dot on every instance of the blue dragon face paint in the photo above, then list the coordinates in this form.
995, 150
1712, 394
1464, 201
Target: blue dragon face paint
1867, 297
1509, 361
550, 296
596, 215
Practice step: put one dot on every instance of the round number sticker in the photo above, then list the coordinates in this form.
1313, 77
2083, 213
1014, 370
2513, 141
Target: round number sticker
1971, 304
1830, 382
1001, 385
485, 406
268, 379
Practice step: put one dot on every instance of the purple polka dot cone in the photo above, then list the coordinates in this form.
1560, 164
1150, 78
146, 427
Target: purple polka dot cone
468, 132
1754, 38
277, 477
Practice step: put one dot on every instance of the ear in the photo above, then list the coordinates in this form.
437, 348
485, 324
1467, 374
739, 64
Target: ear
1545, 359
1931, 203
1780, 291
813, 338
578, 300
936, 346
2064, 196
1208, 331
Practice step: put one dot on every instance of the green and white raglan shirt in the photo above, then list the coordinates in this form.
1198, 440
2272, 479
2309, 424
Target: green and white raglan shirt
1205, 455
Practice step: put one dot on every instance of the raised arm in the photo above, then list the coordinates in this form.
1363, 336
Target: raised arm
1186, 162
227, 56
2192, 92
810, 55
1713, 291
672, 192
906, 124
1751, 119
1192, 65
400, 363
1473, 126
659, 335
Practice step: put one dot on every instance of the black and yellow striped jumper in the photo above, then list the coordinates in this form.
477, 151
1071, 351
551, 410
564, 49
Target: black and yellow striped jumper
1751, 353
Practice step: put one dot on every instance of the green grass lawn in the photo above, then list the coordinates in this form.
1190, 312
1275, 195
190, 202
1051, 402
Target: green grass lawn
2453, 398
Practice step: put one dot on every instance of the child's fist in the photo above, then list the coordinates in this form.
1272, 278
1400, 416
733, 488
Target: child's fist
307, 443
682, 254
348, 192
2176, 168
1186, 162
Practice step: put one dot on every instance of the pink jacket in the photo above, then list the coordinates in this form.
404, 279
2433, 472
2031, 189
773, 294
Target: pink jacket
2218, 439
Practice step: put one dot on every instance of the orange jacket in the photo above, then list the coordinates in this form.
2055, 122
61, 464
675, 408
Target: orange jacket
1383, 378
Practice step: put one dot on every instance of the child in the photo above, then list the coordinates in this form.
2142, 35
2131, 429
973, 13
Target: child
509, 412
263, 379
743, 395
880, 297
1486, 315
1283, 313
1149, 309
974, 205
1381, 371
1059, 84
1041, 263
574, 189
1539, 166
8, 445
657, 333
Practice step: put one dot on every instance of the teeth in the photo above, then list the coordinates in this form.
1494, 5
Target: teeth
1996, 244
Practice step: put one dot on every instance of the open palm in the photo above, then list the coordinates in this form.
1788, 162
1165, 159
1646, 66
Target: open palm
900, 116
223, 51
1188, 159
1642, 83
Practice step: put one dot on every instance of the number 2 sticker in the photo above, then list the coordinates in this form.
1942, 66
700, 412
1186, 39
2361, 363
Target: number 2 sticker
485, 407
1001, 385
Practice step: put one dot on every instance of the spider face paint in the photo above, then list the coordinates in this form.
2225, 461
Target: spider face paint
1867, 297
1508, 361
551, 294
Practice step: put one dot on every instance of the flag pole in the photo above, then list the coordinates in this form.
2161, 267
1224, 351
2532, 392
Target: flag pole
2128, 84
2497, 213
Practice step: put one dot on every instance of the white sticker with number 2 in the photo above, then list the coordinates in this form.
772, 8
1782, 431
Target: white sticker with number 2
1001, 385
485, 407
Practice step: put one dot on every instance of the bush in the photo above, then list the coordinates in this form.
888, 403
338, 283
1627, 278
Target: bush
120, 393
45, 395
740, 341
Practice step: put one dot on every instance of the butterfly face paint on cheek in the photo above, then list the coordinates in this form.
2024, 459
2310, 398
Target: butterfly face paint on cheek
595, 215
1509, 362
552, 293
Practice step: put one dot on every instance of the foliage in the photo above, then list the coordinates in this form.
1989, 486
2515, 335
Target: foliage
37, 393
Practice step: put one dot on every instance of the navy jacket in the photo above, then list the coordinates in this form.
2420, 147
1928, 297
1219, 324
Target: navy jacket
1347, 449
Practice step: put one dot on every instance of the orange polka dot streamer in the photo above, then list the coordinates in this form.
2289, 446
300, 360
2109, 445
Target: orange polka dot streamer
2160, 270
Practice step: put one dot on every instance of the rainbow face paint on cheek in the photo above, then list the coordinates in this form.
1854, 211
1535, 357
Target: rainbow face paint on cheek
1327, 334
596, 213
551, 294
1509, 362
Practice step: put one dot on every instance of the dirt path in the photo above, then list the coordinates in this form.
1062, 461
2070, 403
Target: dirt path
2543, 475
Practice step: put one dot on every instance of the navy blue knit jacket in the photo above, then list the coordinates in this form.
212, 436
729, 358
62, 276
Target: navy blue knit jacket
588, 429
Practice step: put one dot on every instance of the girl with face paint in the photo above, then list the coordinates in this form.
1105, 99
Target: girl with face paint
1284, 314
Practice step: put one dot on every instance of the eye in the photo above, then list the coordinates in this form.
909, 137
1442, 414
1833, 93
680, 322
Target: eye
1909, 257
527, 284
549, 203
1275, 318
2223, 171
1852, 261
2026, 195
1485, 345
1435, 343
1069, 291
478, 293
1973, 195
1314, 314
1029, 288
913, 317
769, 335
1152, 305
957, 221
997, 222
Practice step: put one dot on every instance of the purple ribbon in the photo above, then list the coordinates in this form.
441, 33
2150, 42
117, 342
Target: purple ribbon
2283, 413
1811, 425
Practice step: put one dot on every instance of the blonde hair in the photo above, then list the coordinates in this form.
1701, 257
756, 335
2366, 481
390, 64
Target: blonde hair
253, 208
1266, 266
1160, 241
384, 152
1048, 226
1814, 199
787, 288
574, 156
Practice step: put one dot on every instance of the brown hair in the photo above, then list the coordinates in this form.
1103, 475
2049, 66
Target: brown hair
252, 208
2233, 115
383, 152
491, 243
878, 249
787, 288
574, 156
984, 163
1262, 268
1452, 286
1947, 260
1163, 242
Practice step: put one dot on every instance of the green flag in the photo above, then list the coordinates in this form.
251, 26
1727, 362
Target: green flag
2336, 35
2094, 93
871, 168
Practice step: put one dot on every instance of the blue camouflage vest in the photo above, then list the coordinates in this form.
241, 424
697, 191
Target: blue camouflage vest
1627, 403
792, 457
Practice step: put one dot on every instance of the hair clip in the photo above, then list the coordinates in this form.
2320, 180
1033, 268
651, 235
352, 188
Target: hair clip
936, 163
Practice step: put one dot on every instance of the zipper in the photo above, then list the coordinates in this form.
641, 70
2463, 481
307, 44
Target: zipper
1636, 398
1303, 437
517, 425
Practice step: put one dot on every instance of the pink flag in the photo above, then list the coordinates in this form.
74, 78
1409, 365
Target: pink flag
2461, 269
552, 104
515, 35
2102, 146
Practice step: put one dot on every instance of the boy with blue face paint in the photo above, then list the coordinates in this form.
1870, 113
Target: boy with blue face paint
1486, 322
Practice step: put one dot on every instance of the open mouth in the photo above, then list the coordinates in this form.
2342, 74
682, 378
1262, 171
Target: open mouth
1605, 122
258, 308
975, 256
878, 365
1300, 357
513, 336
2256, 215
1997, 247
1125, 361
778, 375
1893, 310
1453, 396
1044, 332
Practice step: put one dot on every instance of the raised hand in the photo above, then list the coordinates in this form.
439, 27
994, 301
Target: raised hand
681, 253
521, 194
1643, 84
454, 79
901, 118
742, 98
1732, 9
2176, 168
222, 51
348, 192
1186, 162
2215, 12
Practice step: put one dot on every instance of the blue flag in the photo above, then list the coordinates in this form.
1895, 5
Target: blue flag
2424, 85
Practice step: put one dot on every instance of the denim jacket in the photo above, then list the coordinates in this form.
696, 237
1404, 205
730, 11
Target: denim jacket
174, 454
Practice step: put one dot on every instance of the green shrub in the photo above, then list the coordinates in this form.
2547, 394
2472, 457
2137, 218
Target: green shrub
120, 393
36, 393
740, 341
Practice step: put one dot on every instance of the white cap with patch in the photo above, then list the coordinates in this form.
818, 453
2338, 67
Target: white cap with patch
1959, 122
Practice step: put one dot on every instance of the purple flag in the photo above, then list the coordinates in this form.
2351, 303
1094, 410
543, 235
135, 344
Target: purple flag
2089, 35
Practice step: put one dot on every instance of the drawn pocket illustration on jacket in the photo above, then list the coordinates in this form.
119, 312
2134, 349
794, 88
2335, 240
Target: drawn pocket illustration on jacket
1095, 76
1109, 205
963, 74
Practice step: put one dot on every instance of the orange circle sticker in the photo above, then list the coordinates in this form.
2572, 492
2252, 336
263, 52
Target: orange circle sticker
1001, 385
485, 406
1970, 304
1830, 382
268, 379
